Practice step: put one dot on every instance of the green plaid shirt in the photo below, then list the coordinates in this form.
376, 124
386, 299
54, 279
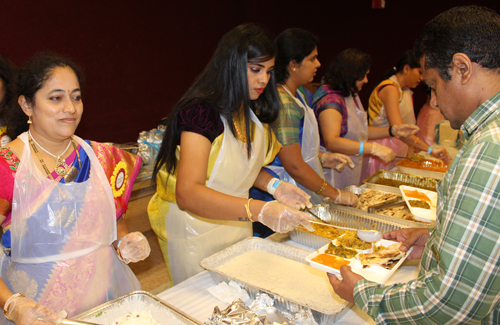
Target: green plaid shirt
459, 272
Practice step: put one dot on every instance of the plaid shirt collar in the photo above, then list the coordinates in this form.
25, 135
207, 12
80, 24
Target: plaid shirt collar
481, 116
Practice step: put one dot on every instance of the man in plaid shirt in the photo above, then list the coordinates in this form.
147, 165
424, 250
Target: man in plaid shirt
459, 271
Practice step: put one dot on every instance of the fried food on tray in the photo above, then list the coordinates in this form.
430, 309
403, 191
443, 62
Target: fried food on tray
387, 257
372, 197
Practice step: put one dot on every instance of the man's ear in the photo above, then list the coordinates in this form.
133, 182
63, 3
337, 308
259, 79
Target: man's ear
25, 106
462, 65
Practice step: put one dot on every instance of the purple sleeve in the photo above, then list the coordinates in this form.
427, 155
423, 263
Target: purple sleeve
201, 119
336, 102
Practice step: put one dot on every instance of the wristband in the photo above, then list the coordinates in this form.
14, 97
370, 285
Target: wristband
390, 131
119, 241
272, 185
361, 148
429, 150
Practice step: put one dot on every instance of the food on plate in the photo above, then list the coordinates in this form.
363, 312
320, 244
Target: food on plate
329, 260
340, 251
351, 240
426, 164
387, 257
136, 318
417, 195
419, 204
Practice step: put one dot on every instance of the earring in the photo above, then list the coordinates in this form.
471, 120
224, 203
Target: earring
293, 69
29, 120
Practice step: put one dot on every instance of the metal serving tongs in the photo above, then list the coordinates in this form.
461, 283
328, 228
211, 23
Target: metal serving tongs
396, 202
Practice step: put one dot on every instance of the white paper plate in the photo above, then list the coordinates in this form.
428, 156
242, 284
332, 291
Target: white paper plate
373, 273
425, 215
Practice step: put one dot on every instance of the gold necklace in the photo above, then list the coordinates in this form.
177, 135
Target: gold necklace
242, 137
61, 165
71, 173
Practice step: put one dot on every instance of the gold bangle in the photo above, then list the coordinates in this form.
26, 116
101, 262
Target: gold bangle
247, 206
7, 304
323, 187
414, 143
321, 161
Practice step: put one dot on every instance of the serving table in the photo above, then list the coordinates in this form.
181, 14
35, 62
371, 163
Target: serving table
191, 296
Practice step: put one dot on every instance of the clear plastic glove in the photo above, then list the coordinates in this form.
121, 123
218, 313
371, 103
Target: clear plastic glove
281, 218
441, 153
336, 161
26, 311
343, 198
383, 152
404, 130
134, 247
291, 195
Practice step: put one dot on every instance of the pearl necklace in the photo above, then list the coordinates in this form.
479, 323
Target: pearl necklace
61, 165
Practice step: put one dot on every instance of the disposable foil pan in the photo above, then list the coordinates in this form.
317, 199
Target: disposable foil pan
322, 317
351, 218
161, 311
425, 183
421, 172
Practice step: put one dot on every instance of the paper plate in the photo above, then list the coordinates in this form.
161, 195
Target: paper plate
425, 215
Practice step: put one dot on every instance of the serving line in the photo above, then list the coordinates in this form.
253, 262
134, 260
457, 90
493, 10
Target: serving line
191, 296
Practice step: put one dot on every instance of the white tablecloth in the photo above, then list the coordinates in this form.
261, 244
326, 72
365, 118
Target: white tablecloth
192, 297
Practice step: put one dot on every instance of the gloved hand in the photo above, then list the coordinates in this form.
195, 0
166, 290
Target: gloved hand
343, 198
442, 154
383, 152
336, 161
134, 247
291, 195
404, 130
281, 218
26, 311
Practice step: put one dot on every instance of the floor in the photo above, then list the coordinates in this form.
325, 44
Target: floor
152, 272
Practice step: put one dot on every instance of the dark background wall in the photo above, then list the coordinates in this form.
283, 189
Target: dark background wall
140, 56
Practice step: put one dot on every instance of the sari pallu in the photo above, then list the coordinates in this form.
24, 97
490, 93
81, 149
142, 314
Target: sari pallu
61, 234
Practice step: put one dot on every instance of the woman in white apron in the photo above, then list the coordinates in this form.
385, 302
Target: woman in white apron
342, 120
300, 160
216, 143
391, 103
60, 227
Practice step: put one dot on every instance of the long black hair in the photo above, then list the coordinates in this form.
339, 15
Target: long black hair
7, 74
348, 67
409, 58
293, 44
223, 85
31, 77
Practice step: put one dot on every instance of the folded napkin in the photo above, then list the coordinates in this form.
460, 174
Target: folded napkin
228, 292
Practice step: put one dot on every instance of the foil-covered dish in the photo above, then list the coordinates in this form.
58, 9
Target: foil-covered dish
280, 271
389, 181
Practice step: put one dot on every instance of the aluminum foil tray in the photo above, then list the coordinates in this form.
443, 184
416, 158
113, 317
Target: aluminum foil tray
162, 312
421, 172
322, 317
425, 183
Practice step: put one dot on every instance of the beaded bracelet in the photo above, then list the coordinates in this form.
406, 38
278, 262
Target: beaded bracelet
247, 207
323, 187
8, 302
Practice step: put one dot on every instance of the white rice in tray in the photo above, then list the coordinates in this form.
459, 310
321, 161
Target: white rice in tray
136, 318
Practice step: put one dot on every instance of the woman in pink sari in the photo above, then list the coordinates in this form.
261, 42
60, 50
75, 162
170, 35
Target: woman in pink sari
62, 201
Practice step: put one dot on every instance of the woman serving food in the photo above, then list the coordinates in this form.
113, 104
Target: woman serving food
215, 144
62, 203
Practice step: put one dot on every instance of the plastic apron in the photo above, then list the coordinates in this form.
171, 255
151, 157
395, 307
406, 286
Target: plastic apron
309, 147
192, 238
371, 163
357, 130
61, 239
